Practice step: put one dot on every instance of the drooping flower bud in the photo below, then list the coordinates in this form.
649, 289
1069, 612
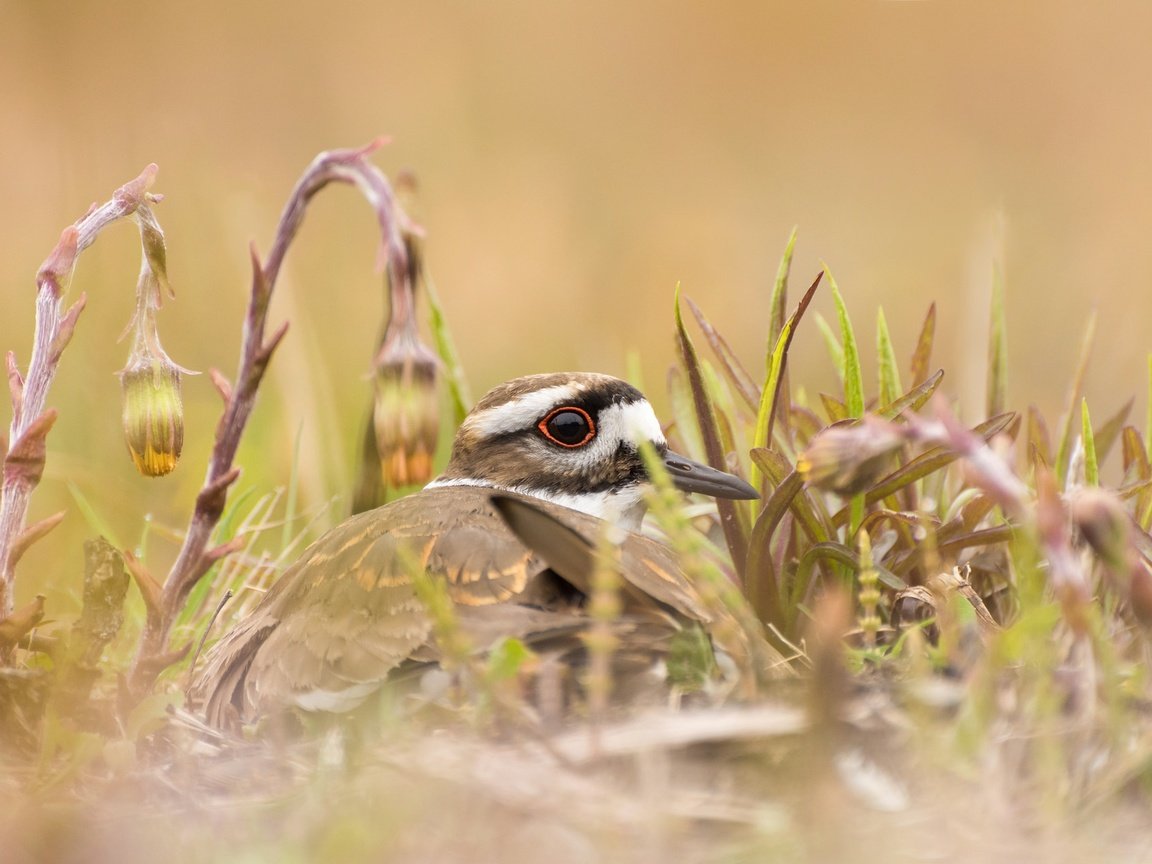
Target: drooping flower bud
849, 459
153, 410
406, 403
153, 414
406, 413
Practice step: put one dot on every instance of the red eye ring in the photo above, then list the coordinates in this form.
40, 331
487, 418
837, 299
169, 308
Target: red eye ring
585, 427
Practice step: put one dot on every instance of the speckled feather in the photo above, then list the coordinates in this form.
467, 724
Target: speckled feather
345, 615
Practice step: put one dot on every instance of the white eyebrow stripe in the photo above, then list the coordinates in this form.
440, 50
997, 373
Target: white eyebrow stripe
523, 411
634, 421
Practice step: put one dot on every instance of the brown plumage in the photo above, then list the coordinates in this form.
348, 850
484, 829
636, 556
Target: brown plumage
343, 618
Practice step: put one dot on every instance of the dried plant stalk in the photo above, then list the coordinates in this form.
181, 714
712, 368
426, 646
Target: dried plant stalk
196, 558
24, 460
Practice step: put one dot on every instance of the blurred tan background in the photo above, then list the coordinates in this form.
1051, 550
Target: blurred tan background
576, 160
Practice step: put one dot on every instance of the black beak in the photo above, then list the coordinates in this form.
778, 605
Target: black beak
689, 476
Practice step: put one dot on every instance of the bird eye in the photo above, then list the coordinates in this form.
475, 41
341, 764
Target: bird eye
568, 427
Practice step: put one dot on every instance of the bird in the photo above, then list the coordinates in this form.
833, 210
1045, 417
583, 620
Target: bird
539, 469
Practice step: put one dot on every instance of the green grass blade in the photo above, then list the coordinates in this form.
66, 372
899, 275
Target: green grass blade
729, 521
914, 399
996, 395
853, 387
815, 524
853, 375
835, 410
779, 303
446, 348
832, 343
1091, 466
778, 361
96, 522
922, 356
1063, 449
1148, 419
762, 583
1109, 432
889, 372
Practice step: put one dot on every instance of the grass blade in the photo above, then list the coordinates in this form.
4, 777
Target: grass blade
853, 376
1091, 466
1063, 449
889, 372
853, 387
922, 356
835, 410
914, 399
96, 522
706, 420
1109, 433
815, 524
1148, 420
446, 348
1135, 454
1039, 441
770, 395
779, 302
997, 392
832, 343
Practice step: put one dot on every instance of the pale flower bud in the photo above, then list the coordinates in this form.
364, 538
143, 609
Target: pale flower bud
849, 459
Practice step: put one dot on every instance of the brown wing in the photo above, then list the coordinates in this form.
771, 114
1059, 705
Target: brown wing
566, 539
344, 615
340, 619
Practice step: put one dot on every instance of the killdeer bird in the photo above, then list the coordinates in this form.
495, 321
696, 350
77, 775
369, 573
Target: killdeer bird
537, 469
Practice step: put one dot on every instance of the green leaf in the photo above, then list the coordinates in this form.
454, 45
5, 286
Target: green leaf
996, 396
1091, 467
770, 395
446, 349
914, 399
816, 524
730, 523
853, 376
889, 373
835, 410
835, 349
922, 356
96, 522
1109, 433
1148, 421
779, 302
1063, 449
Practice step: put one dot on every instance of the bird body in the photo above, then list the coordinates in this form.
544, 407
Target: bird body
540, 469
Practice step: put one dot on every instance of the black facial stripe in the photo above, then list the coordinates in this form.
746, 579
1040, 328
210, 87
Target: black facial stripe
624, 469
